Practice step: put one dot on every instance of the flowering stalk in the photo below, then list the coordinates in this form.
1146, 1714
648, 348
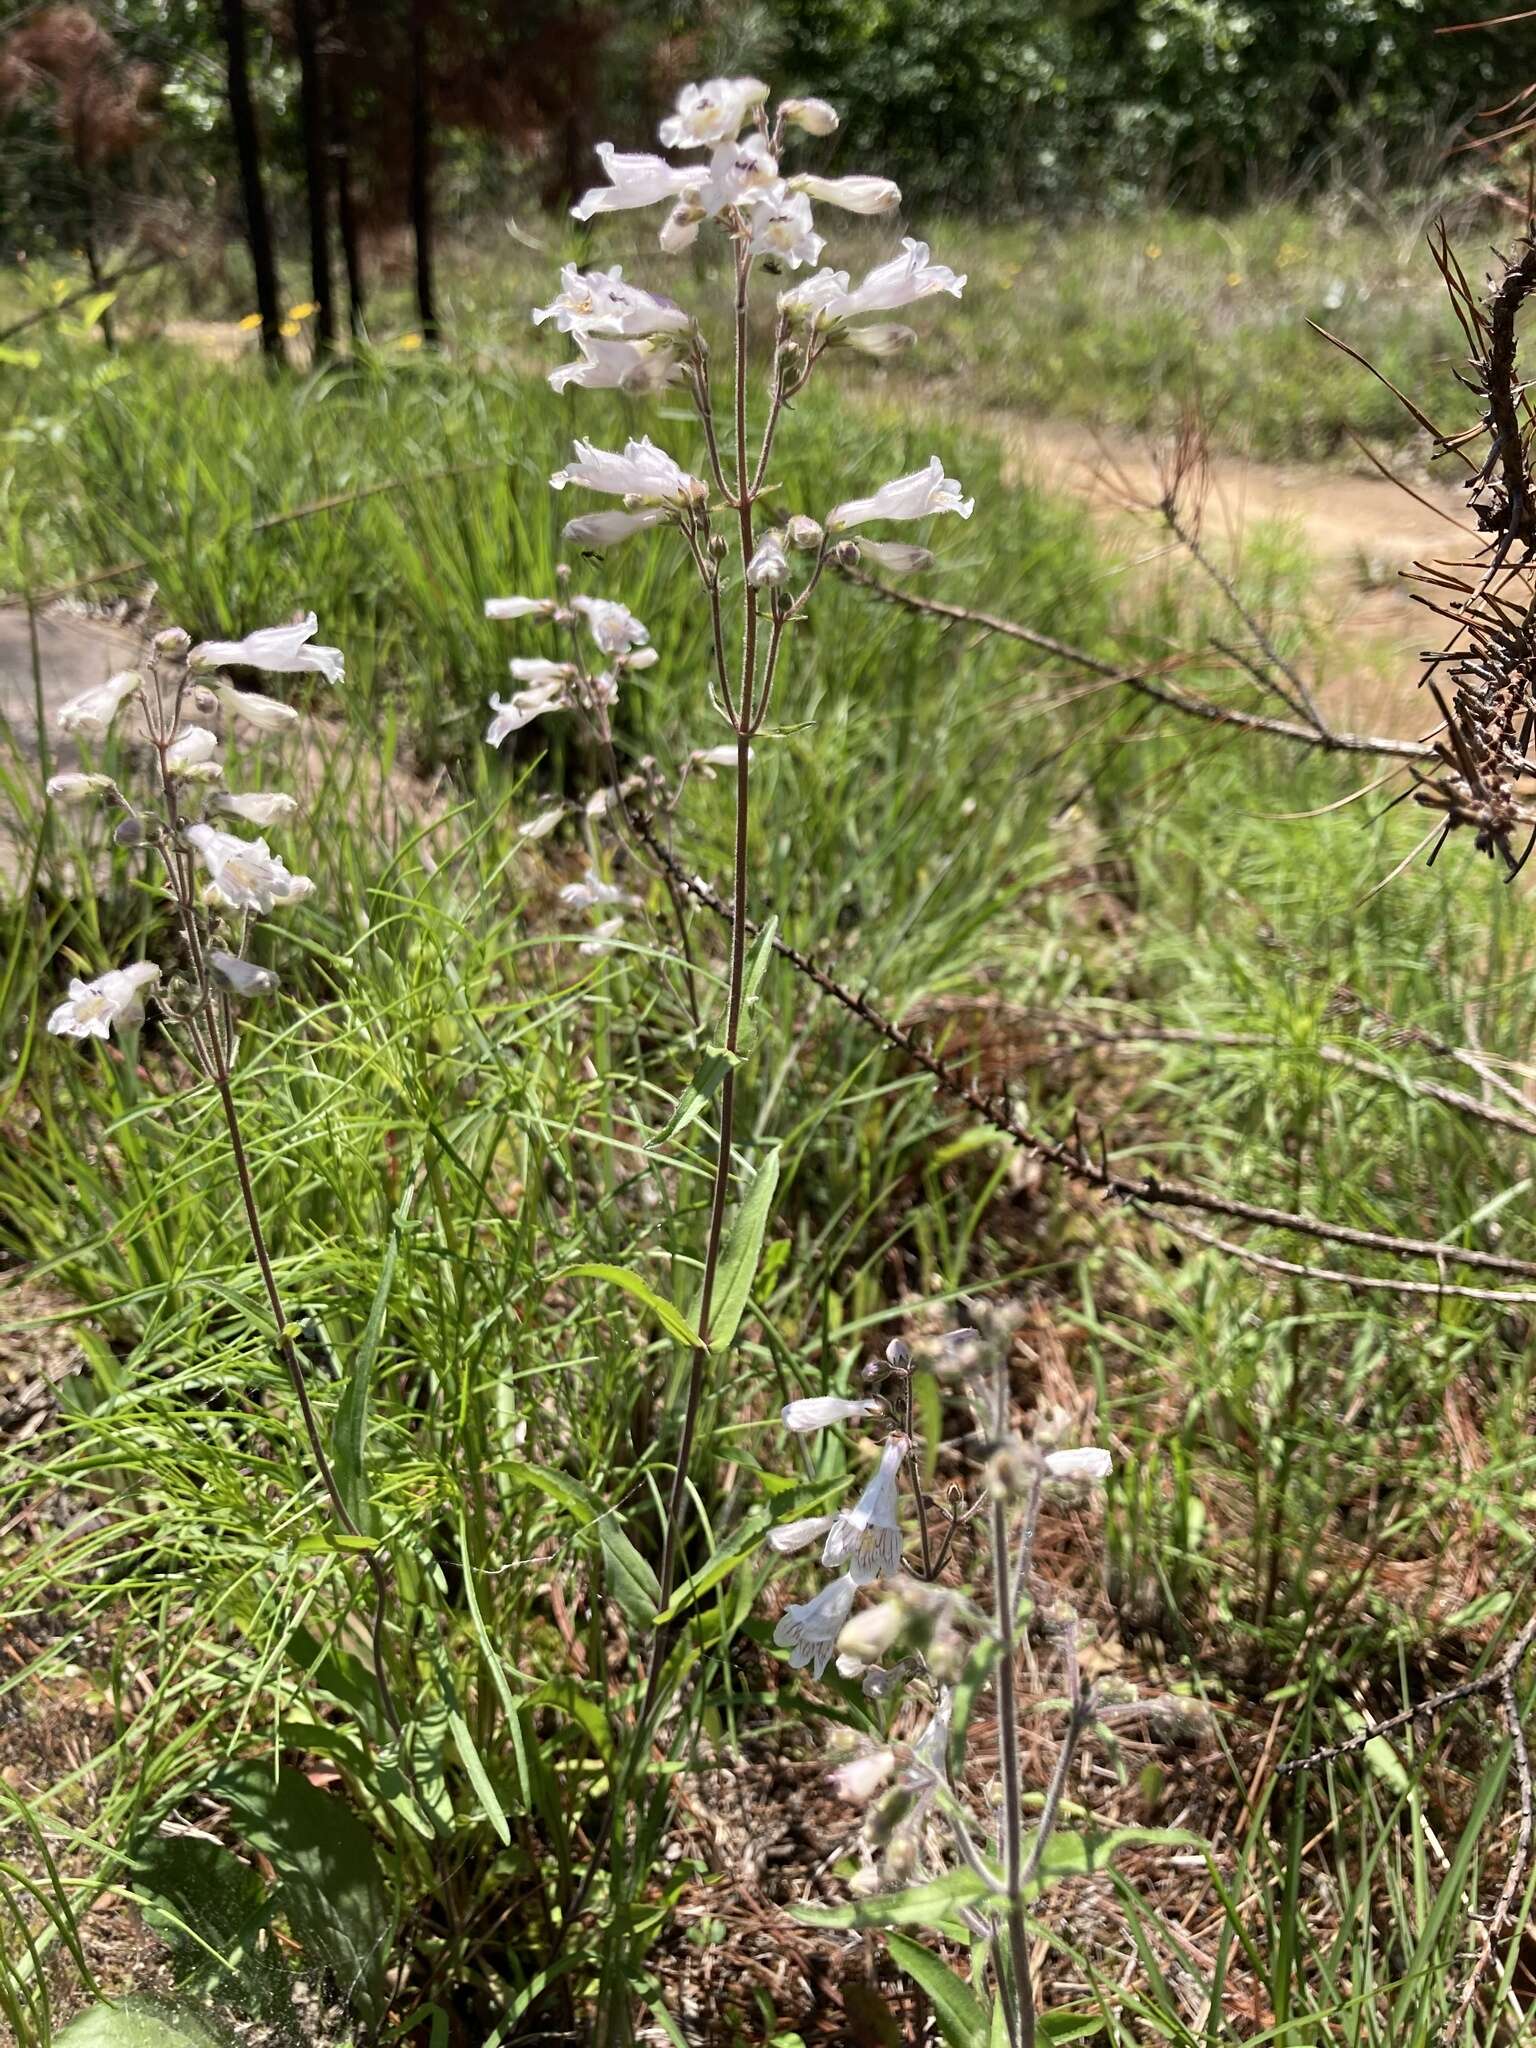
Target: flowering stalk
642, 342
243, 880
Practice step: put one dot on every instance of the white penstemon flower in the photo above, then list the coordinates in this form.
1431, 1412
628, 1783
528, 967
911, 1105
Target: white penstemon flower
810, 1630
114, 1001
279, 650
712, 112
615, 629
90, 715
918, 496
642, 471
244, 874
866, 1539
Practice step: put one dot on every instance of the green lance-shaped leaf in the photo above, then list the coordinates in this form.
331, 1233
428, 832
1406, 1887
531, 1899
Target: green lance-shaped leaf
671, 1319
963, 2020
743, 1249
137, 2023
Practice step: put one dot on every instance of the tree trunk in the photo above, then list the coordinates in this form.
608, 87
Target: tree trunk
346, 216
258, 227
316, 180
421, 172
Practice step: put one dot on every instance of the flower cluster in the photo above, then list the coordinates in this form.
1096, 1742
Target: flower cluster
211, 873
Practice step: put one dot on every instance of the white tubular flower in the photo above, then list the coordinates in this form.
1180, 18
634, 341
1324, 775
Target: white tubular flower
738, 172
592, 890
74, 789
615, 629
810, 1631
788, 1537
533, 668
861, 1778
259, 806
881, 341
245, 873
853, 195
633, 180
916, 496
520, 607
642, 657
607, 529
92, 712
602, 938
769, 565
242, 977
266, 714
823, 1411
720, 757
541, 826
898, 558
192, 747
113, 1001
782, 228
1079, 1464
634, 366
816, 117
902, 282
293, 889
813, 298
867, 1538
280, 650
712, 112
643, 471
600, 302
521, 709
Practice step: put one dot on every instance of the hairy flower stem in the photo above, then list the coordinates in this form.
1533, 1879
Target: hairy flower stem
743, 721
1019, 2010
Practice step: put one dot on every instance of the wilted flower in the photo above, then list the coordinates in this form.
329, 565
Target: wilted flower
816, 117
606, 529
822, 1411
769, 565
782, 228
810, 1631
643, 471
280, 650
259, 807
615, 628
599, 302
114, 1000
633, 180
92, 712
925, 491
1086, 1463
267, 714
881, 341
193, 747
241, 977
520, 607
788, 1537
867, 1538
245, 873
853, 195
74, 789
712, 112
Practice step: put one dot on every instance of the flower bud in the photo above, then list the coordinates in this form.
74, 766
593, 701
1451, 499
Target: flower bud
203, 701
846, 554
803, 533
130, 831
769, 566
873, 1631
719, 547
898, 1356
816, 117
173, 641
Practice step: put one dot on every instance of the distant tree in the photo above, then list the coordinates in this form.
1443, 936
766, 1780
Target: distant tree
258, 225
61, 59
314, 119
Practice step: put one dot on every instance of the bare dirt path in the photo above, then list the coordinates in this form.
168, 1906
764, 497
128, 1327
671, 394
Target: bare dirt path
1360, 530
